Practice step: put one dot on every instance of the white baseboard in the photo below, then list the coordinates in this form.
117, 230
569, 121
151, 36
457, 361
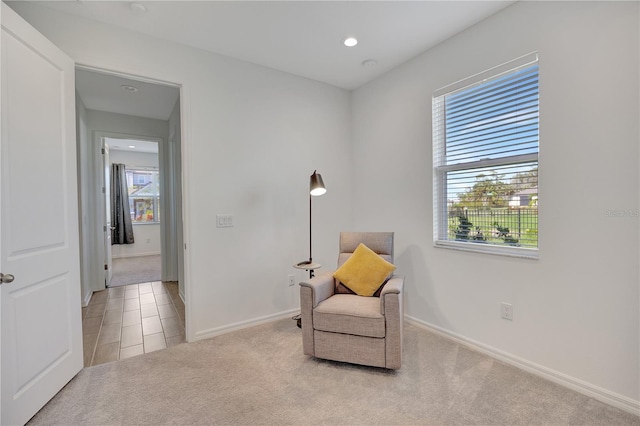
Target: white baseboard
604, 395
212, 332
87, 299
123, 256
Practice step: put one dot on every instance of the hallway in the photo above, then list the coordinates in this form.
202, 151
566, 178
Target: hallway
121, 322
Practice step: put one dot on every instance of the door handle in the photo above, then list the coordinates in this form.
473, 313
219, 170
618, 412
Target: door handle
6, 278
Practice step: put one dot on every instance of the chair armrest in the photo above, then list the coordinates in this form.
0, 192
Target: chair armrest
322, 287
312, 292
391, 306
395, 285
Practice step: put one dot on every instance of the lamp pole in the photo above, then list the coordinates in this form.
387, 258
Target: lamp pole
316, 188
310, 245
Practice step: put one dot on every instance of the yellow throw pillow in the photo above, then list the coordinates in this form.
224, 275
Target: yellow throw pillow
364, 272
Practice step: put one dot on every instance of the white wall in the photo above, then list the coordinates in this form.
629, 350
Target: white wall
128, 125
576, 308
134, 158
146, 236
147, 242
251, 137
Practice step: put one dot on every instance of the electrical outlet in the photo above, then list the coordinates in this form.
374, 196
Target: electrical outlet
292, 280
224, 220
507, 311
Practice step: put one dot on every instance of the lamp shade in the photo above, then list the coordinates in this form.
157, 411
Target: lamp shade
317, 185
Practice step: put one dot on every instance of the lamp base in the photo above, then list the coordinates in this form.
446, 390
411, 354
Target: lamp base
298, 320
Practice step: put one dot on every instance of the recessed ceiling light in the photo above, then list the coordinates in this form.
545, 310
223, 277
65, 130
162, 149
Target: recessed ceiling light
138, 8
129, 88
132, 146
350, 41
369, 63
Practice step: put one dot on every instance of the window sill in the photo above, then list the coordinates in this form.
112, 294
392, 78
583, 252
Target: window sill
145, 223
521, 252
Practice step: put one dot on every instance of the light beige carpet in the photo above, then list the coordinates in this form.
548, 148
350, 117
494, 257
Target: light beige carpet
135, 270
259, 376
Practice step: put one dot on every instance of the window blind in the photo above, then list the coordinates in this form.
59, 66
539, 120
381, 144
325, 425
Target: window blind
493, 120
486, 143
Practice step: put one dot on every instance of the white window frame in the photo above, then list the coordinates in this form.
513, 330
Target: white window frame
156, 199
440, 170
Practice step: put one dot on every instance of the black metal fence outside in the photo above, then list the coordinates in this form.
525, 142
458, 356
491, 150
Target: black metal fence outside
511, 226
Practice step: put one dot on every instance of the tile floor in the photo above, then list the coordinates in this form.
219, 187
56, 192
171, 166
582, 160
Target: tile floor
121, 322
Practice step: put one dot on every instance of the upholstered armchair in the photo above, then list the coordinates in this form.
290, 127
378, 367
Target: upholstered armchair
342, 326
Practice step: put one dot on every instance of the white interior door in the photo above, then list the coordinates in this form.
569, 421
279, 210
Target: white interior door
40, 311
106, 184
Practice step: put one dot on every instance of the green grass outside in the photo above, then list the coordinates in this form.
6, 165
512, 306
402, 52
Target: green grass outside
522, 224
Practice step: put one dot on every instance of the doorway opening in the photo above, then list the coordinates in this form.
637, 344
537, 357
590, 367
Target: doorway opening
133, 291
133, 249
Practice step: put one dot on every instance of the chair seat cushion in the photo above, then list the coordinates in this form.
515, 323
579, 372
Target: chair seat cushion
350, 314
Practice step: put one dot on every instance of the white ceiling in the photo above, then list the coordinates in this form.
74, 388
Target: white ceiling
104, 92
298, 37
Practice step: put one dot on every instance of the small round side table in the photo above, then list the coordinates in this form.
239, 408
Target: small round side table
307, 267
